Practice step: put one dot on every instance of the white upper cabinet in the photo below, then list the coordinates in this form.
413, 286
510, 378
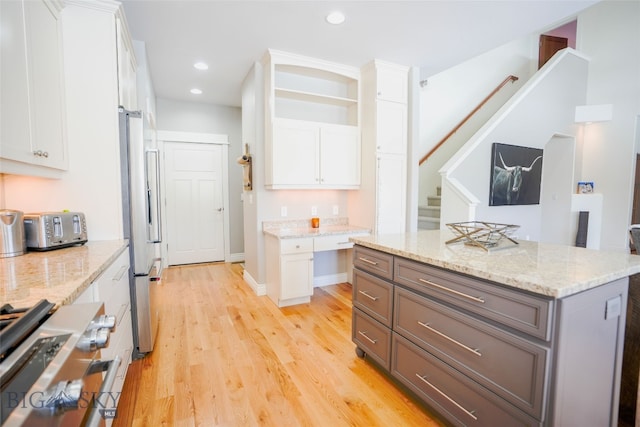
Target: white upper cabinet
32, 88
380, 203
391, 83
127, 80
312, 123
391, 127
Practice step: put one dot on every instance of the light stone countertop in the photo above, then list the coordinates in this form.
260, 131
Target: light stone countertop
58, 275
290, 229
552, 270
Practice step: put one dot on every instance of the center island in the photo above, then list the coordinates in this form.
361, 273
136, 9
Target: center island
528, 334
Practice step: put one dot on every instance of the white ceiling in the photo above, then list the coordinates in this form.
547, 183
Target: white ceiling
231, 35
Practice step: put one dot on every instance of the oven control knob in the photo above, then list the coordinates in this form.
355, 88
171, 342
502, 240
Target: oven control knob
103, 321
64, 396
94, 339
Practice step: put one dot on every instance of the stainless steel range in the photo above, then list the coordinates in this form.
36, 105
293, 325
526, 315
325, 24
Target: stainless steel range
51, 373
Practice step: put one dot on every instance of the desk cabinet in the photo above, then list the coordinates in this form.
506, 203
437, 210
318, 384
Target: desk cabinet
290, 269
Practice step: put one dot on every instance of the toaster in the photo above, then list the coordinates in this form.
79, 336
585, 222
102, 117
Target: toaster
52, 230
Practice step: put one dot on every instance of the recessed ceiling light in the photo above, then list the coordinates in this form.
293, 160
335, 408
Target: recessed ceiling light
335, 18
196, 91
200, 66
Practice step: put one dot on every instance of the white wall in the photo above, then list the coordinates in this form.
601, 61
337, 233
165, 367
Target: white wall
543, 109
207, 118
449, 96
609, 33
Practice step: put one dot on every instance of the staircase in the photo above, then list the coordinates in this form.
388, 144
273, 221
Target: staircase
429, 214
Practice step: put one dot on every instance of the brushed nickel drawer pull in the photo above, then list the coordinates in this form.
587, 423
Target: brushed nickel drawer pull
470, 413
123, 269
453, 291
364, 334
368, 261
368, 296
472, 350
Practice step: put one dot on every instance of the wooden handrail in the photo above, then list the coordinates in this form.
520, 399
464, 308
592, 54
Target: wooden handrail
459, 125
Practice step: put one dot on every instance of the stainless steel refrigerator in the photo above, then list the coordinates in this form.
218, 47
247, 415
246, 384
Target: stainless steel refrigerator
141, 219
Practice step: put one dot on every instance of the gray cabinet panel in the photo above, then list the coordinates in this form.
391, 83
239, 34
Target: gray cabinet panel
588, 360
506, 364
373, 262
490, 355
374, 296
454, 396
530, 314
372, 337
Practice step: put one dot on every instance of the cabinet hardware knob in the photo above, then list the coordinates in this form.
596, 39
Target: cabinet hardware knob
45, 154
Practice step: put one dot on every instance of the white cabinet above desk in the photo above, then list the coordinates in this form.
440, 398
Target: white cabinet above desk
293, 249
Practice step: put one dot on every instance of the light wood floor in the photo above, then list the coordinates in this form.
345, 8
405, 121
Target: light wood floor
227, 357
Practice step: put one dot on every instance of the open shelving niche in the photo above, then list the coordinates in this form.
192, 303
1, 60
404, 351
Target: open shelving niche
312, 94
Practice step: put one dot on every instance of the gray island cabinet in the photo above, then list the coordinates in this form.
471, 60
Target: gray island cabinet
526, 335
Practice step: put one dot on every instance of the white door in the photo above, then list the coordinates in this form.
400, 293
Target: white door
194, 203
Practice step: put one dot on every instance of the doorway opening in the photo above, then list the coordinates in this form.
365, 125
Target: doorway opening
555, 40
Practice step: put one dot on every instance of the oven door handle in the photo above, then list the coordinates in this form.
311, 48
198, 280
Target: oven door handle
95, 418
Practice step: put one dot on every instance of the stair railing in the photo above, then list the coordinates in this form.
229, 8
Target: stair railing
468, 116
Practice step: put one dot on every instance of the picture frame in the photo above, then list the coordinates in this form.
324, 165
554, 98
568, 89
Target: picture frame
585, 187
516, 175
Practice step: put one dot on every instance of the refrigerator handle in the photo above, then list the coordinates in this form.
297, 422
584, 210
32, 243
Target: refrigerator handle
153, 195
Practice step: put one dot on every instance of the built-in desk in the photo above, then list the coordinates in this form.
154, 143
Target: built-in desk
293, 248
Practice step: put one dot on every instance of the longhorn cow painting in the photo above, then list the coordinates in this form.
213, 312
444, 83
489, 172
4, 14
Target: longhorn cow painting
516, 174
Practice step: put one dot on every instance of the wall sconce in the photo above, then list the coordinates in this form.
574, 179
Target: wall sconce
594, 113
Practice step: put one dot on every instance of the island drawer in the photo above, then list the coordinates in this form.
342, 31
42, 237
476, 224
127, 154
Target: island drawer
508, 365
374, 296
516, 309
372, 337
459, 399
374, 262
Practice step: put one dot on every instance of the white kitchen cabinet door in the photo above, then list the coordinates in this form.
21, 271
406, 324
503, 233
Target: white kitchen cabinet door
339, 156
14, 86
297, 275
392, 83
32, 84
391, 127
391, 190
296, 147
127, 88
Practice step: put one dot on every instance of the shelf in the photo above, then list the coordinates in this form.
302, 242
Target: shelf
315, 97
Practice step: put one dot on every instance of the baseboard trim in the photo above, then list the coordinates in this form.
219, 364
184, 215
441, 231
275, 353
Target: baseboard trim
239, 257
259, 288
329, 279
